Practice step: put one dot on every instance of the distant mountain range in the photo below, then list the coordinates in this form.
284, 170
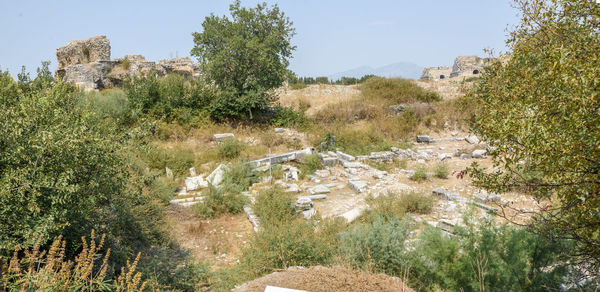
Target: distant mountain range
400, 69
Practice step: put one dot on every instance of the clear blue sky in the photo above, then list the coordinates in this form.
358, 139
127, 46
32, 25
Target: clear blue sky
332, 36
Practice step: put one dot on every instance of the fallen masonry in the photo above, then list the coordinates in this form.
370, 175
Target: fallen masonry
216, 177
358, 185
281, 158
319, 189
221, 137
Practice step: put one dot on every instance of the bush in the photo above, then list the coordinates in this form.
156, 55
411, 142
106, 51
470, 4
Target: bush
380, 245
288, 117
273, 206
297, 86
396, 90
441, 170
228, 197
420, 174
177, 159
393, 205
309, 164
230, 149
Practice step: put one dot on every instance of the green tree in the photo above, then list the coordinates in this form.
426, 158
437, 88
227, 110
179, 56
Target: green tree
245, 56
538, 109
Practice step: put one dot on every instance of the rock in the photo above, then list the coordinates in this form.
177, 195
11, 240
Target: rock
446, 225
354, 213
472, 139
221, 137
169, 173
292, 188
423, 139
315, 179
380, 174
88, 77
279, 130
252, 218
448, 195
216, 177
352, 171
358, 185
453, 134
329, 161
396, 109
480, 153
443, 156
332, 154
316, 197
94, 49
184, 66
319, 189
307, 214
345, 156
193, 171
483, 197
291, 174
194, 183
465, 156
347, 164
323, 173
304, 203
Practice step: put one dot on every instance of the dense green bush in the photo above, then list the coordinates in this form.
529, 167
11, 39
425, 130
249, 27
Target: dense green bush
288, 117
177, 159
380, 244
273, 206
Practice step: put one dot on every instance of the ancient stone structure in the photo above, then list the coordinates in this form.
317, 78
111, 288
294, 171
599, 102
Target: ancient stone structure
436, 73
464, 66
468, 66
87, 64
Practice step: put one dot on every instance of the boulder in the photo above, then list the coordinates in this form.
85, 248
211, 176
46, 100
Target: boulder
221, 137
184, 66
448, 195
479, 153
423, 139
319, 189
345, 156
304, 203
195, 182
472, 139
358, 185
94, 49
216, 177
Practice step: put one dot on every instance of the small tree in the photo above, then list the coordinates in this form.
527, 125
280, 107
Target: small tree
539, 111
245, 56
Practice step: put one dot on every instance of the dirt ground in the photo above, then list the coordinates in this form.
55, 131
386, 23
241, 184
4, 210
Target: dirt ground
316, 279
218, 241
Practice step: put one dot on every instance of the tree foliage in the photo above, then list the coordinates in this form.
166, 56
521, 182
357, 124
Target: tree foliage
538, 109
245, 56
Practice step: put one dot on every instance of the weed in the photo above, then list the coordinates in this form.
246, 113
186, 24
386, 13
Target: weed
230, 149
441, 170
420, 174
309, 164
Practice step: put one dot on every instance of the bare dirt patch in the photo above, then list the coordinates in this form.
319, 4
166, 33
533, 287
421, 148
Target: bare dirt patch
319, 278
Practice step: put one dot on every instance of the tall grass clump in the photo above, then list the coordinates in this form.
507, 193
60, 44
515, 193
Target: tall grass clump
396, 90
441, 170
230, 149
273, 206
309, 164
177, 159
394, 205
420, 174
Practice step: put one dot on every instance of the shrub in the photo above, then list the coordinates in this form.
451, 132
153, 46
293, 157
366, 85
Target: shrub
230, 148
228, 197
396, 90
309, 164
420, 174
125, 64
177, 159
288, 117
380, 245
273, 206
441, 170
393, 205
297, 86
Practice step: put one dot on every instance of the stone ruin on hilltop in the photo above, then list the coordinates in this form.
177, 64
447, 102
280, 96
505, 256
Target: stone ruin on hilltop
87, 64
464, 66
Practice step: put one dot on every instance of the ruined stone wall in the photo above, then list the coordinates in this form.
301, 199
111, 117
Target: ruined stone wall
436, 73
87, 64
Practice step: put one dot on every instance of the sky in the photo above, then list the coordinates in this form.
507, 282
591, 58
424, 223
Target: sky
331, 36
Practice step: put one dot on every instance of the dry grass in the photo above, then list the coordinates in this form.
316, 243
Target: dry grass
317, 96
